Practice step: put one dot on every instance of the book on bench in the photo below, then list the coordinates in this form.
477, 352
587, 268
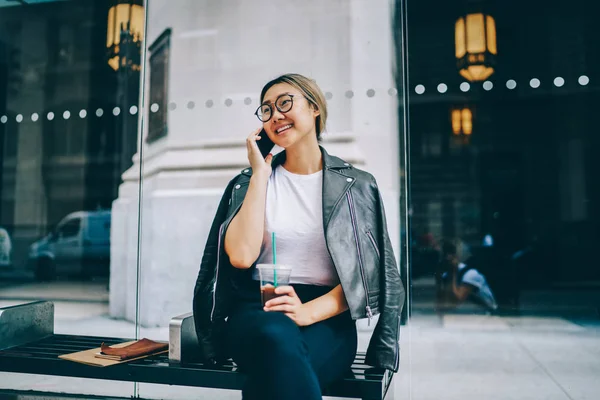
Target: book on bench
143, 347
95, 356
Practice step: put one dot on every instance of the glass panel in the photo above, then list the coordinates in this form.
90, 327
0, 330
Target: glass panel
505, 281
68, 187
207, 65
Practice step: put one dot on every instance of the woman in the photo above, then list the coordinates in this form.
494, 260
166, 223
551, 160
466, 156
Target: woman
330, 227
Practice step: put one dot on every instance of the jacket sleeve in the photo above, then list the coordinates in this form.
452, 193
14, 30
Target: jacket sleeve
384, 347
202, 304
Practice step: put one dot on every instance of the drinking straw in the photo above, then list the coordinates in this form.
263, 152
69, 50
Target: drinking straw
274, 259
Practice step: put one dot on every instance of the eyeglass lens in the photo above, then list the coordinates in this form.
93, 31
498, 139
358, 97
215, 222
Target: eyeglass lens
283, 103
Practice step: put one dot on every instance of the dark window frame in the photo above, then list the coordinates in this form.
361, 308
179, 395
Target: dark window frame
159, 86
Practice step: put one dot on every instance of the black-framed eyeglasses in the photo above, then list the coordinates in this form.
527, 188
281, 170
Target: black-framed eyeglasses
283, 103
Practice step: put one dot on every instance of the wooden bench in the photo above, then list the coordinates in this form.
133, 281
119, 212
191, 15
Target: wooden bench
28, 345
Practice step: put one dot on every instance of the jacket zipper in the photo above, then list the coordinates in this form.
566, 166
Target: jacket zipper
221, 229
360, 263
397, 346
212, 312
374, 243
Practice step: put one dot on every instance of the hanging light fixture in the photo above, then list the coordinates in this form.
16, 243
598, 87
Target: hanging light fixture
125, 24
462, 121
476, 49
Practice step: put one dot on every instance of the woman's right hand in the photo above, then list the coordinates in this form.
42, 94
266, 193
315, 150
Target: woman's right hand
259, 164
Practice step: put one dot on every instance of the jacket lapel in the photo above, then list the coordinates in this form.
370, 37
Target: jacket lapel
335, 184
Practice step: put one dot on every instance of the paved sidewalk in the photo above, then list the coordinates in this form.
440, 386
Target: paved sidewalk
474, 357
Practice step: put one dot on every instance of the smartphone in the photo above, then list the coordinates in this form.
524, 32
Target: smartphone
265, 145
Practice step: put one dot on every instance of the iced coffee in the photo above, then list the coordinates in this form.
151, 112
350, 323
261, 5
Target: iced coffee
272, 276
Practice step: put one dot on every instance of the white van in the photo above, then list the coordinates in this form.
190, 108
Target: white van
80, 245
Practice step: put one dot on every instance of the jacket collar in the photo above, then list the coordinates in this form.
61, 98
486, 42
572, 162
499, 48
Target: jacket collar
329, 162
336, 180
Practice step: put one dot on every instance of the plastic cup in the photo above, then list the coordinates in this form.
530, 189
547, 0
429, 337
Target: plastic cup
271, 276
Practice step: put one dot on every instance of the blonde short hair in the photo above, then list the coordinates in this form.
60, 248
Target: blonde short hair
309, 88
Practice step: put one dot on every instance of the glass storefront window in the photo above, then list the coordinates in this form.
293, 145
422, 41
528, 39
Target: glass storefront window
503, 195
67, 134
206, 66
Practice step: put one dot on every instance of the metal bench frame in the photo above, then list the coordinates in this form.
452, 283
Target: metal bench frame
28, 345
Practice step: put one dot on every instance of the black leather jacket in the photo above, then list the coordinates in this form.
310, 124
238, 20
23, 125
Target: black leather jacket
357, 239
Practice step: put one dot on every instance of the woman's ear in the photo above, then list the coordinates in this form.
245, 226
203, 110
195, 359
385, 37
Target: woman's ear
316, 111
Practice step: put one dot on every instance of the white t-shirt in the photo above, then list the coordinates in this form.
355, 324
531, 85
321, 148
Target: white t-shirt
294, 211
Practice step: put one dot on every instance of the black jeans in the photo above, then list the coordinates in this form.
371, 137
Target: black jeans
282, 360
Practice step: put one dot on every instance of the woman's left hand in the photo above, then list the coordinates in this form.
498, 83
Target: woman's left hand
289, 303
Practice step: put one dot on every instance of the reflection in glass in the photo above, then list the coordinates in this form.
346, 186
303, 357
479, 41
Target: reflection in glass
124, 34
462, 121
61, 165
475, 42
517, 201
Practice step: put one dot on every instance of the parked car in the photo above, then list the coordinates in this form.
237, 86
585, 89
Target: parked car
5, 249
80, 245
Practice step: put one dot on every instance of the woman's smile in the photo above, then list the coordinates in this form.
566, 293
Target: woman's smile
283, 128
